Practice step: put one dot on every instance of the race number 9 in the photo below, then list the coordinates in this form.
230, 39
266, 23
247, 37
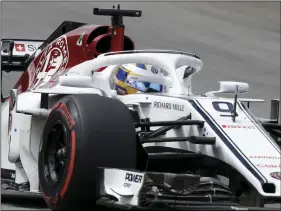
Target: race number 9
223, 106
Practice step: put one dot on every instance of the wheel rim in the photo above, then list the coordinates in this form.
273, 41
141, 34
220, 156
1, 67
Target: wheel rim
55, 156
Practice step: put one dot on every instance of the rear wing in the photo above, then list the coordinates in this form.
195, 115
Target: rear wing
16, 52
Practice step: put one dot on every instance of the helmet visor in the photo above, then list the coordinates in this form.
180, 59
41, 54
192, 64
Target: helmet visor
146, 86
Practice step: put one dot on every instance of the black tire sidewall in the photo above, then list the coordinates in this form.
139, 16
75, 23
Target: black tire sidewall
54, 194
104, 137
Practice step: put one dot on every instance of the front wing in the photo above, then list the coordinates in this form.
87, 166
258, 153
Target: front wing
133, 190
154, 191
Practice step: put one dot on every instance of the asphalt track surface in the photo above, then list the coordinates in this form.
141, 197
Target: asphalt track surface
236, 41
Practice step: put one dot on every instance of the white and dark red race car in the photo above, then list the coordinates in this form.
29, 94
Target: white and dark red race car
67, 134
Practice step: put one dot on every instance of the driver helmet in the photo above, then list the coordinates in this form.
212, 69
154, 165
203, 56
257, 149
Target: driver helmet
126, 73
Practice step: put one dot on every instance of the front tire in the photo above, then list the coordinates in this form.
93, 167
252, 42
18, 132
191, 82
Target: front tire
82, 133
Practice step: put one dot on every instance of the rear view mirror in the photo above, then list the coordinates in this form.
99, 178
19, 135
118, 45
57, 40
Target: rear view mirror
233, 86
230, 87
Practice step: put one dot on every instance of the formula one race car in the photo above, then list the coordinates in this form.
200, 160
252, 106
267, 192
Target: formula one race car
66, 133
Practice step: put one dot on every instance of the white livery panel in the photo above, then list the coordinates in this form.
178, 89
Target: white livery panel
246, 139
243, 144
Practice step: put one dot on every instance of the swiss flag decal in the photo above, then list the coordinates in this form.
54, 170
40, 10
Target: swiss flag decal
20, 47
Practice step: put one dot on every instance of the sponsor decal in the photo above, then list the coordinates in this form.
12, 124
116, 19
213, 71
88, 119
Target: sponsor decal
154, 70
136, 178
169, 106
80, 39
52, 64
264, 157
31, 47
20, 47
127, 185
276, 175
238, 126
269, 165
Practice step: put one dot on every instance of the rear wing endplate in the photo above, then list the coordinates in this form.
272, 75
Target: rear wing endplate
16, 52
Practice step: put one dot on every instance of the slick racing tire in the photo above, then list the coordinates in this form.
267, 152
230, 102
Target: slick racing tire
82, 133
